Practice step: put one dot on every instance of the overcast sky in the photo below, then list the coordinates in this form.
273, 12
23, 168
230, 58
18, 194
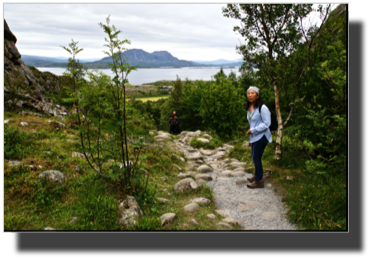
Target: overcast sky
187, 31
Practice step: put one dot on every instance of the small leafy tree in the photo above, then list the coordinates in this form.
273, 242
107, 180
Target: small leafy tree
118, 100
222, 106
75, 70
272, 33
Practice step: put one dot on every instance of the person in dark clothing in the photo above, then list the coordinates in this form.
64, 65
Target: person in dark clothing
173, 121
176, 129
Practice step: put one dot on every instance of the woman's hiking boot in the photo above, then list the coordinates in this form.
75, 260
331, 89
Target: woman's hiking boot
251, 180
259, 184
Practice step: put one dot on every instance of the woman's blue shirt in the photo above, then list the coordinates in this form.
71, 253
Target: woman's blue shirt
259, 124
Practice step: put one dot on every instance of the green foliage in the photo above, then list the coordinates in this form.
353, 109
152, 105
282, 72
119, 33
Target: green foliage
220, 76
47, 192
222, 107
17, 143
96, 208
146, 196
322, 121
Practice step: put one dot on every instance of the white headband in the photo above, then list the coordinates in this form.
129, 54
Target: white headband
256, 89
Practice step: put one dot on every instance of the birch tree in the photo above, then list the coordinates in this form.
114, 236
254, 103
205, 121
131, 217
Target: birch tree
272, 33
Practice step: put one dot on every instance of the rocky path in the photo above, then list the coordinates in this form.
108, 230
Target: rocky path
253, 209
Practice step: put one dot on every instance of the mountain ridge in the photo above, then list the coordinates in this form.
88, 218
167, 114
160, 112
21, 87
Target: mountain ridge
136, 57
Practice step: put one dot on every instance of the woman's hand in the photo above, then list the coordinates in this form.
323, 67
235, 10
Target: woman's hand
249, 132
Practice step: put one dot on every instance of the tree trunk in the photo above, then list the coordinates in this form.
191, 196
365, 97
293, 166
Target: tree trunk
278, 153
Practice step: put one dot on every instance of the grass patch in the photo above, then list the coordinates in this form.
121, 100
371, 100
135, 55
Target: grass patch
31, 203
153, 99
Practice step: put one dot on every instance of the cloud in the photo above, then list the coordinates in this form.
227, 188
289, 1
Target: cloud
188, 31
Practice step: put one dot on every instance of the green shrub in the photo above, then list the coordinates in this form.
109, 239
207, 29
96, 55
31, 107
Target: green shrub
17, 143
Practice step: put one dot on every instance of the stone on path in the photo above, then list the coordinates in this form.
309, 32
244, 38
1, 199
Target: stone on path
203, 140
200, 182
224, 224
207, 152
162, 136
270, 215
7, 121
184, 175
237, 164
238, 173
219, 155
191, 149
183, 185
269, 185
167, 219
191, 207
226, 173
14, 163
230, 220
289, 178
238, 169
211, 216
222, 179
194, 221
194, 156
194, 185
24, 124
205, 177
241, 181
54, 176
165, 201
164, 179
200, 200
178, 167
73, 221
224, 213
49, 228
204, 169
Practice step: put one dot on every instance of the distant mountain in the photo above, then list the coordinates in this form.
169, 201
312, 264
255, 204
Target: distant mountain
143, 58
136, 57
36, 61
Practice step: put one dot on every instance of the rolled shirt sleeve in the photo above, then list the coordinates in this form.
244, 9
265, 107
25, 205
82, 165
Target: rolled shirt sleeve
264, 124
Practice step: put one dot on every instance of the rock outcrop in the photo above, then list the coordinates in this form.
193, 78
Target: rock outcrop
32, 94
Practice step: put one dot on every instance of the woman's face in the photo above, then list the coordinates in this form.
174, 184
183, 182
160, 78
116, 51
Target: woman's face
252, 96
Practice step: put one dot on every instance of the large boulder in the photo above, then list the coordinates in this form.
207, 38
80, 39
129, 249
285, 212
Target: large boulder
130, 211
15, 68
54, 176
183, 185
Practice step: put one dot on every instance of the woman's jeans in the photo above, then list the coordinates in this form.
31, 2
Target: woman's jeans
257, 150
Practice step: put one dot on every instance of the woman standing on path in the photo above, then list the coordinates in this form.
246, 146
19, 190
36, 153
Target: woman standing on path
258, 116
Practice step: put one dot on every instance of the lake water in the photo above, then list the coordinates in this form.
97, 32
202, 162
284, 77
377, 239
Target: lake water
143, 76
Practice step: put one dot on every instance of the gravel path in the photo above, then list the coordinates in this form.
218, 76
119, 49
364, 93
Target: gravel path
253, 209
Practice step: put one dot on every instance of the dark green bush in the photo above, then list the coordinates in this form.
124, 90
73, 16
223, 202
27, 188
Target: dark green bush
17, 143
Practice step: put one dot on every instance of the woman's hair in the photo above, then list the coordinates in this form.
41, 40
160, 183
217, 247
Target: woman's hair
259, 102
